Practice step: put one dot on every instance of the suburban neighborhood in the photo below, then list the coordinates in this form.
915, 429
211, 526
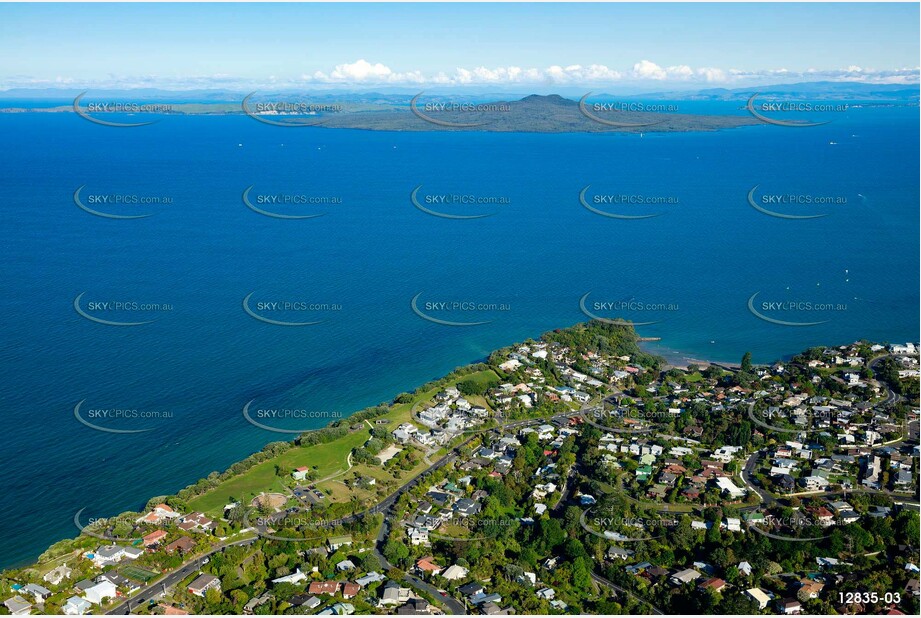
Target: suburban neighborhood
570, 474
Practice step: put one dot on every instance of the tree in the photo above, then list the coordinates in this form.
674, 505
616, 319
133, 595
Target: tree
581, 576
213, 597
370, 562
551, 533
396, 553
747, 362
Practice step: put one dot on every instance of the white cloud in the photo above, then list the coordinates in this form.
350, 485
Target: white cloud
362, 71
365, 73
644, 69
712, 75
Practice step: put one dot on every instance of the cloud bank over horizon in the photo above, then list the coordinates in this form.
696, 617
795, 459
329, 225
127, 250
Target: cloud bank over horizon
363, 73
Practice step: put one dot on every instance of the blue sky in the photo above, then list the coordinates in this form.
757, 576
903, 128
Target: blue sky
662, 45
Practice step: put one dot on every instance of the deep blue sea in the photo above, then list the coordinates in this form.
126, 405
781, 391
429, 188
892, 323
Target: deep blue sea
691, 270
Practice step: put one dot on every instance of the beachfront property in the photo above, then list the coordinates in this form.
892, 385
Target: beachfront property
58, 574
113, 554
159, 514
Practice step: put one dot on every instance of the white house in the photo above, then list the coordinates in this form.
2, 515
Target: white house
455, 572
759, 596
294, 578
57, 575
727, 486
345, 565
100, 592
733, 524
108, 554
158, 514
75, 606
419, 536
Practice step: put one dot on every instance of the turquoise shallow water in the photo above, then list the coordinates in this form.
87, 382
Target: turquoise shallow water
538, 254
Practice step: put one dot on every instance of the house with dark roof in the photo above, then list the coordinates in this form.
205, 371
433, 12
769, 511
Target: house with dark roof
183, 545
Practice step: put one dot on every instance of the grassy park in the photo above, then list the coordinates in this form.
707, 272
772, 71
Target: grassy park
325, 460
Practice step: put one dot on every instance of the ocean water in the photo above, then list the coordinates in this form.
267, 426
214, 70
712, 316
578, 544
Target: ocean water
693, 268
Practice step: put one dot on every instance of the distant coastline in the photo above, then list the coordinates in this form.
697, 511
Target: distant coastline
531, 114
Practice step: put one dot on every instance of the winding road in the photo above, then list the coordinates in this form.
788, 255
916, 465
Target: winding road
171, 579
605, 582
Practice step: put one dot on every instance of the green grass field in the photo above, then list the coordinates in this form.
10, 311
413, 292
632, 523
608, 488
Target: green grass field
481, 377
326, 459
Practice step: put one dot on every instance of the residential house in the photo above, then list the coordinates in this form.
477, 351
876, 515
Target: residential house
684, 576
57, 575
466, 507
108, 554
471, 589
714, 584
759, 596
18, 606
100, 592
335, 542
203, 583
619, 553
394, 595
40, 593
197, 522
340, 609
415, 607
728, 487
159, 514
789, 606
154, 538
455, 572
328, 588
419, 536
183, 545
369, 578
75, 606
427, 565
293, 578
809, 589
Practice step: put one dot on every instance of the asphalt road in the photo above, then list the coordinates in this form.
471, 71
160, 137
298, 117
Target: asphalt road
169, 581
751, 463
604, 582
390, 500
455, 607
